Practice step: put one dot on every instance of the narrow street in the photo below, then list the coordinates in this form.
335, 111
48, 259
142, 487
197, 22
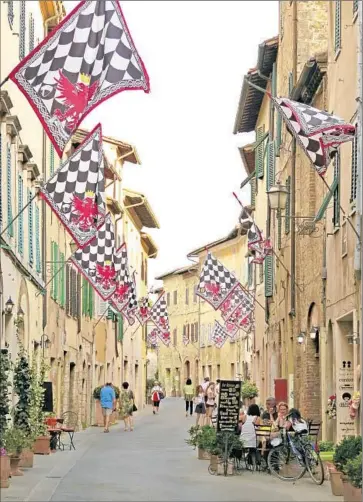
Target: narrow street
151, 463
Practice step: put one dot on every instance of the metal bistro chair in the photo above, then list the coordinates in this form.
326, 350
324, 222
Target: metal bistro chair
69, 425
313, 431
263, 437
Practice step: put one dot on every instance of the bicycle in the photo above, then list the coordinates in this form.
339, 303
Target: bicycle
290, 460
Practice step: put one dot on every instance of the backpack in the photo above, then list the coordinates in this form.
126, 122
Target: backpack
155, 396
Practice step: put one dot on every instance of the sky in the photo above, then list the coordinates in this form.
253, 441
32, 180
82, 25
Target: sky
196, 53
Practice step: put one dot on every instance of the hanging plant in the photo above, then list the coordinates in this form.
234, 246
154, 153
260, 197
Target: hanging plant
36, 414
22, 383
5, 367
249, 390
331, 410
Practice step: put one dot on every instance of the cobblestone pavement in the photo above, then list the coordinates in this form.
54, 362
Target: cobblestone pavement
152, 463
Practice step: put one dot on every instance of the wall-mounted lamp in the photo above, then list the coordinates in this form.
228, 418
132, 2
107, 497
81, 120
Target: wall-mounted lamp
301, 337
277, 196
20, 316
353, 338
44, 342
9, 306
314, 332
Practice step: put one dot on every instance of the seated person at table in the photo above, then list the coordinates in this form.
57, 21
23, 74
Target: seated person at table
295, 422
248, 434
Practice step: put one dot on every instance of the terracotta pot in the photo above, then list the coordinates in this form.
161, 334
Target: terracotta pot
350, 492
336, 482
14, 466
42, 445
203, 455
27, 458
4, 471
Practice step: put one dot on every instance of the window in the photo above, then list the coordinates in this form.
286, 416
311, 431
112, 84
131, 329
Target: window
175, 297
22, 29
168, 299
344, 240
30, 228
10, 230
354, 175
250, 273
195, 294
175, 337
31, 32
74, 293
38, 264
269, 276
196, 334
336, 207
55, 265
188, 332
338, 26
21, 217
51, 159
270, 165
187, 296
192, 333
259, 152
68, 289
287, 208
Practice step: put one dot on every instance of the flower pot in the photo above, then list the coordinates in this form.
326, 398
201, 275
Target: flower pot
203, 454
220, 469
214, 463
4, 471
27, 458
42, 445
14, 466
326, 456
336, 482
351, 493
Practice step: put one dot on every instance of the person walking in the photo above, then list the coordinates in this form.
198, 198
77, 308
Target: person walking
210, 402
127, 406
156, 396
108, 404
199, 405
188, 396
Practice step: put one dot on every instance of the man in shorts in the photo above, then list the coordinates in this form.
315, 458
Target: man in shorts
108, 404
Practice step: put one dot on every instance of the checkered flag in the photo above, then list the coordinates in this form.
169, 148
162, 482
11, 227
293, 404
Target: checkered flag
76, 191
241, 320
143, 311
261, 249
318, 133
159, 315
239, 298
152, 339
96, 261
120, 297
87, 58
219, 335
216, 282
163, 337
130, 309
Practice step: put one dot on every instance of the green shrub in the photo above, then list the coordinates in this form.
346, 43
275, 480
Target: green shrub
22, 387
348, 449
249, 390
16, 440
194, 432
326, 446
5, 367
353, 469
97, 392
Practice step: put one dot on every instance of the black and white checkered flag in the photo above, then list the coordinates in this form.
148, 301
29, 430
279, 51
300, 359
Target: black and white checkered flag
76, 191
319, 133
239, 298
216, 282
96, 261
130, 308
87, 58
219, 335
159, 315
143, 311
120, 297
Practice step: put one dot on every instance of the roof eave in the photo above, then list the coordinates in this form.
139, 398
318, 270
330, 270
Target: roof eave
238, 231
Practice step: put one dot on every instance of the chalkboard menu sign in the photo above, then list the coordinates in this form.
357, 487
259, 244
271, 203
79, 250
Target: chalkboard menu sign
229, 405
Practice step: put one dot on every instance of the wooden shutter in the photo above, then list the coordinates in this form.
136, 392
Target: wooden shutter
270, 165
269, 276
291, 83
278, 215
192, 333
1, 182
21, 217
84, 296
31, 32
52, 268
56, 268
354, 174
10, 230
68, 289
287, 208
30, 229
336, 212
120, 328
253, 192
259, 167
338, 25
91, 301
326, 201
22, 29
38, 261
278, 133
250, 273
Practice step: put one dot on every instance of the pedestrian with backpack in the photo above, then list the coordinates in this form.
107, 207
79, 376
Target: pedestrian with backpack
156, 396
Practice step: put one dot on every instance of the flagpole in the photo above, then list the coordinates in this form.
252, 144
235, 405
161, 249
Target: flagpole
17, 216
4, 81
50, 280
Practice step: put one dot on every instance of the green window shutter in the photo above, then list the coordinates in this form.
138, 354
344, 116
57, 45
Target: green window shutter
253, 192
30, 229
21, 217
22, 29
278, 133
10, 230
274, 81
84, 296
326, 201
287, 209
38, 263
338, 25
259, 153
354, 174
90, 301
291, 83
120, 326
355, 6
270, 165
269, 276
62, 281
336, 213
51, 159
110, 314
52, 268
56, 278
279, 219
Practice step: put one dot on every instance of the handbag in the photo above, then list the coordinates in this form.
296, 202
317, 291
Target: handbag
161, 395
134, 407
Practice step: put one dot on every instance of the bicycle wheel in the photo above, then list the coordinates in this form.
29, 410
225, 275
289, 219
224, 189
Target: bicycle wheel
284, 464
314, 465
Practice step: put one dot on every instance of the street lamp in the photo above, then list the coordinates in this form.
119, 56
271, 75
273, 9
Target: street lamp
9, 305
300, 338
313, 332
277, 196
20, 316
44, 342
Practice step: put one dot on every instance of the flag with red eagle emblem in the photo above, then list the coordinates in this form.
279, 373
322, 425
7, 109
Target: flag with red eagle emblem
159, 315
242, 320
152, 339
219, 335
261, 249
76, 191
238, 298
120, 297
87, 58
96, 260
129, 311
216, 282
143, 312
163, 337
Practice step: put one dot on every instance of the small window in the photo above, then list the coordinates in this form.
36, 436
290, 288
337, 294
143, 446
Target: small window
175, 298
196, 333
187, 296
168, 299
192, 333
175, 337
195, 294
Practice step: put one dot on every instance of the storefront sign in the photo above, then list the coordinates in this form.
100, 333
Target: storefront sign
229, 405
344, 395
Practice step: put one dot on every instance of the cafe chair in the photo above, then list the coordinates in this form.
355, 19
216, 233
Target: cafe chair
70, 421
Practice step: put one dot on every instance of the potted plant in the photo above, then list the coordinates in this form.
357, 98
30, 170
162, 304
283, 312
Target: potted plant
249, 391
352, 484
22, 384
4, 415
226, 443
206, 439
98, 409
15, 442
346, 450
36, 414
193, 432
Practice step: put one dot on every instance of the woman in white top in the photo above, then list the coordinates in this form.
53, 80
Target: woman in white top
248, 434
199, 402
156, 396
